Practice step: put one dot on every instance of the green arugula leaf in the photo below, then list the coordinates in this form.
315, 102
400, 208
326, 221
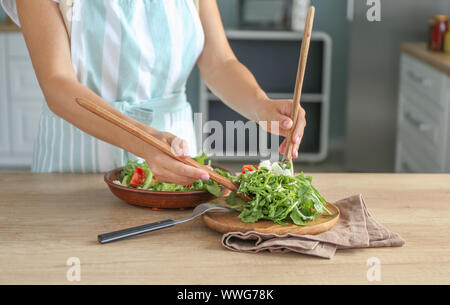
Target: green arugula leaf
201, 158
279, 198
214, 189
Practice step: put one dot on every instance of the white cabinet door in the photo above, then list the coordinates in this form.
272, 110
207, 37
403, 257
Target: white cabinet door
423, 118
24, 97
16, 45
425, 79
23, 85
24, 122
20, 101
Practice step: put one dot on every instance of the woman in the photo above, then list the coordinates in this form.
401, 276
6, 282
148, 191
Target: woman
133, 57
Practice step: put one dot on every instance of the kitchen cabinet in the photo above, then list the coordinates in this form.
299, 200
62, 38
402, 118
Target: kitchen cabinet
423, 137
21, 101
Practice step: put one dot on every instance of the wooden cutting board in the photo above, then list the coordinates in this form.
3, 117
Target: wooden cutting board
225, 222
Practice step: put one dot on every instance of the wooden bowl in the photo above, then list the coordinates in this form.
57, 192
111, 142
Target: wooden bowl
157, 199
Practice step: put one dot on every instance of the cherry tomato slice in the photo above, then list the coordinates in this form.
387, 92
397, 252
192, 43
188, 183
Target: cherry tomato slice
138, 177
249, 168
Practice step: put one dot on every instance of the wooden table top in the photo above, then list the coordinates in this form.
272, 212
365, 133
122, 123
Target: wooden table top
46, 219
438, 60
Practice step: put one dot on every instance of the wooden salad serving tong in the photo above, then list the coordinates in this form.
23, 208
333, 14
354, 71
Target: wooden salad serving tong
299, 81
155, 142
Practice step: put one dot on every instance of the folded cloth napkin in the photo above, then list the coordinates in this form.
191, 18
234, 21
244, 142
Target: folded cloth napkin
356, 229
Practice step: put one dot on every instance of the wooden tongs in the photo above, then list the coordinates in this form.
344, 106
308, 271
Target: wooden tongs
155, 142
299, 81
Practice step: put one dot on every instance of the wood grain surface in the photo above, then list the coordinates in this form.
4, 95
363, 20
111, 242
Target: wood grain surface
46, 219
420, 51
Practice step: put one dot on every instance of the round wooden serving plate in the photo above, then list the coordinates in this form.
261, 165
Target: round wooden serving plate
229, 222
157, 199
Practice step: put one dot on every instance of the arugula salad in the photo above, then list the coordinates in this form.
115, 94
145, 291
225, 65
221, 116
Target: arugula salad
277, 195
137, 174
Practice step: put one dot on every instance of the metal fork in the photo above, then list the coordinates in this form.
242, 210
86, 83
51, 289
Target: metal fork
125, 233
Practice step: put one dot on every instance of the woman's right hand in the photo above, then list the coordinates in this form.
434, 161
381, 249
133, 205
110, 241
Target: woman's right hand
169, 170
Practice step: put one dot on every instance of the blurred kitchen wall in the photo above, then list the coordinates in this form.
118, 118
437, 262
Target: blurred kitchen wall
374, 76
2, 15
330, 18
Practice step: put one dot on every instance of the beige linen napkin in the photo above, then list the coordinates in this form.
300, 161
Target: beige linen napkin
356, 229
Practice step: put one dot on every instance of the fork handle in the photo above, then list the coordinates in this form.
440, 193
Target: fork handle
122, 234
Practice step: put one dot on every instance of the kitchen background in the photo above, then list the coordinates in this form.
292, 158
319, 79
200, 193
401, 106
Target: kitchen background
374, 103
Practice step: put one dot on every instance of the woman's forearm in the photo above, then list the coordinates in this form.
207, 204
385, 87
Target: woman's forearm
230, 80
234, 84
61, 92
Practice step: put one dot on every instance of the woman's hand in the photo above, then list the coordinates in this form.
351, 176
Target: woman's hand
170, 170
281, 111
235, 85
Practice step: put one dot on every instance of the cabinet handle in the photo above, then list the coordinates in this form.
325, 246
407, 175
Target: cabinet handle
419, 79
416, 122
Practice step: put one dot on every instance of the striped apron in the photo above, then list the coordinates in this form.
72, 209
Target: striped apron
136, 55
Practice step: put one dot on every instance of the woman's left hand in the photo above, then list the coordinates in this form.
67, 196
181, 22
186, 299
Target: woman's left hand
281, 111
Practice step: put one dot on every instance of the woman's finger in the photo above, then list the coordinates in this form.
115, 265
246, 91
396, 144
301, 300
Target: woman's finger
295, 148
279, 113
184, 170
284, 114
294, 152
297, 135
169, 170
283, 147
284, 124
169, 177
179, 146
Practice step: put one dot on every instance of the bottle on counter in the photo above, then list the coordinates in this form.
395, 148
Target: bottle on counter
439, 30
447, 42
431, 25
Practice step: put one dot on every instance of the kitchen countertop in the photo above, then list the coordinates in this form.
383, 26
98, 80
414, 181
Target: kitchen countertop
46, 219
440, 61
